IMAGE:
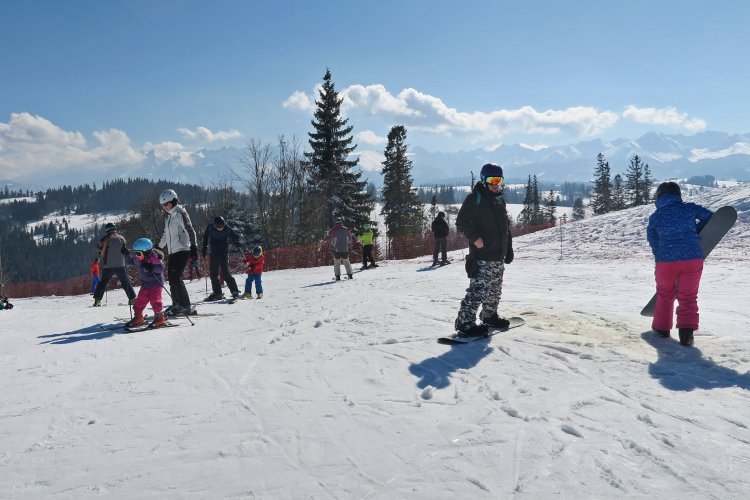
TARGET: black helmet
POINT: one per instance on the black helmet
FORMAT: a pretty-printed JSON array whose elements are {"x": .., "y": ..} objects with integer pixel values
[
  {"x": 668, "y": 187},
  {"x": 441, "y": 214},
  {"x": 219, "y": 221},
  {"x": 109, "y": 227}
]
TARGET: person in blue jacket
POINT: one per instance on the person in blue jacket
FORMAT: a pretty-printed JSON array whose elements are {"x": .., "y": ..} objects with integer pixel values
[{"x": 673, "y": 235}]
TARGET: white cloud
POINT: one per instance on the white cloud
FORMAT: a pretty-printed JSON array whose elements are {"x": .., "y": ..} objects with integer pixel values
[
  {"x": 205, "y": 135},
  {"x": 666, "y": 117},
  {"x": 299, "y": 101},
  {"x": 31, "y": 144},
  {"x": 370, "y": 137},
  {"x": 427, "y": 113}
]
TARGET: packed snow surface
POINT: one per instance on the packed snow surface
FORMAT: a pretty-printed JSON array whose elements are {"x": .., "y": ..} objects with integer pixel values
[{"x": 339, "y": 390}]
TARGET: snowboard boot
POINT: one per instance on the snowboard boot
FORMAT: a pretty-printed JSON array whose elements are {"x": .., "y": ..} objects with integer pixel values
[
  {"x": 175, "y": 310},
  {"x": 247, "y": 295},
  {"x": 351, "y": 276},
  {"x": 363, "y": 268},
  {"x": 338, "y": 278},
  {"x": 496, "y": 322},
  {"x": 472, "y": 330},
  {"x": 260, "y": 296},
  {"x": 663, "y": 333},
  {"x": 686, "y": 336},
  {"x": 136, "y": 321},
  {"x": 159, "y": 321},
  {"x": 374, "y": 265},
  {"x": 97, "y": 303},
  {"x": 236, "y": 295},
  {"x": 214, "y": 297}
]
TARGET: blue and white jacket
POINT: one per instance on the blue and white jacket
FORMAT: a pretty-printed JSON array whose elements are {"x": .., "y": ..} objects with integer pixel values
[{"x": 673, "y": 229}]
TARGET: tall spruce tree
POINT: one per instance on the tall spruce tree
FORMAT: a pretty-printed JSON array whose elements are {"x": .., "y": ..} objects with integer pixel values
[
  {"x": 334, "y": 189},
  {"x": 401, "y": 206},
  {"x": 648, "y": 184},
  {"x": 601, "y": 200},
  {"x": 618, "y": 194},
  {"x": 579, "y": 212},
  {"x": 635, "y": 182},
  {"x": 550, "y": 208}
]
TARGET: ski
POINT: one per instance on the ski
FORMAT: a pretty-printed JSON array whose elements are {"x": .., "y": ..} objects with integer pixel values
[
  {"x": 456, "y": 339},
  {"x": 148, "y": 327},
  {"x": 718, "y": 225}
]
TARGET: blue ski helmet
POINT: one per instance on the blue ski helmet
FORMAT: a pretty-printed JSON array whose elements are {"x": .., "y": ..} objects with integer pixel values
[
  {"x": 257, "y": 251},
  {"x": 143, "y": 245},
  {"x": 491, "y": 170}
]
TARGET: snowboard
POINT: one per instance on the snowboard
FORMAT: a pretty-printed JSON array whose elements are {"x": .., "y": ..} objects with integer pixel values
[
  {"x": 454, "y": 339},
  {"x": 717, "y": 226}
]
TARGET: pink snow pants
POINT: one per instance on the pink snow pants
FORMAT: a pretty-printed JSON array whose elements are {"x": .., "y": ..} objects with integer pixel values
[
  {"x": 677, "y": 280},
  {"x": 146, "y": 295}
]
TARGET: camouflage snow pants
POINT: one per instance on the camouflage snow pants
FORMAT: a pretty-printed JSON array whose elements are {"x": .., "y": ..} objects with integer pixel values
[{"x": 484, "y": 289}]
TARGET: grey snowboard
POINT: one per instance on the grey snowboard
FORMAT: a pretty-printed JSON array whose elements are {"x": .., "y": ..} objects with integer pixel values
[
  {"x": 515, "y": 322},
  {"x": 717, "y": 226}
]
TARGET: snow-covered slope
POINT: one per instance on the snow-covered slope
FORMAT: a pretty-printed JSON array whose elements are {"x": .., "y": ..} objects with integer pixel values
[{"x": 339, "y": 390}]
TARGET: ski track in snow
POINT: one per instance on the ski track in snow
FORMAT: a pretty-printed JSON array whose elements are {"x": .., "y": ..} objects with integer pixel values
[{"x": 338, "y": 390}]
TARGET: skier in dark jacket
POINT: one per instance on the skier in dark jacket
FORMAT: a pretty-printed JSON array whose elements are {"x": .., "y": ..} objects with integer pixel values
[
  {"x": 440, "y": 232},
  {"x": 673, "y": 236},
  {"x": 484, "y": 220},
  {"x": 218, "y": 236}
]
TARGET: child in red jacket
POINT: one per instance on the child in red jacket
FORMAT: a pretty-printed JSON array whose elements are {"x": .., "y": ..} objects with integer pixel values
[
  {"x": 95, "y": 275},
  {"x": 255, "y": 261}
]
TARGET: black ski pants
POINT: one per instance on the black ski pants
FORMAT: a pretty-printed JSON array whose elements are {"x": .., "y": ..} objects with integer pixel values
[
  {"x": 367, "y": 255},
  {"x": 221, "y": 262},
  {"x": 175, "y": 267},
  {"x": 107, "y": 274},
  {"x": 441, "y": 246}
]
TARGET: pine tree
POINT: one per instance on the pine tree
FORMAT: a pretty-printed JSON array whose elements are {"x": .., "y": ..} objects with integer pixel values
[
  {"x": 526, "y": 217},
  {"x": 401, "y": 206},
  {"x": 579, "y": 213},
  {"x": 601, "y": 200},
  {"x": 618, "y": 194},
  {"x": 635, "y": 182},
  {"x": 648, "y": 184},
  {"x": 550, "y": 208},
  {"x": 334, "y": 190}
]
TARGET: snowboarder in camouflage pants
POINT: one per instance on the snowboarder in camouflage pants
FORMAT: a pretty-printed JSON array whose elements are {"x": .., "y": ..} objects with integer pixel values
[{"x": 484, "y": 220}]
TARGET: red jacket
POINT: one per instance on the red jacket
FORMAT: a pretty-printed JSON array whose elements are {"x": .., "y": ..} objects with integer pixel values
[
  {"x": 255, "y": 264},
  {"x": 95, "y": 269}
]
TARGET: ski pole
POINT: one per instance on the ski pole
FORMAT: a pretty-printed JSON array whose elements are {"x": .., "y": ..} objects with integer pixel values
[{"x": 170, "y": 296}]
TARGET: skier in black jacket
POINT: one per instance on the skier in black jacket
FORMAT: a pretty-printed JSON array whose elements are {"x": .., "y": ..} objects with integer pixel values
[
  {"x": 218, "y": 235},
  {"x": 484, "y": 220},
  {"x": 440, "y": 232}
]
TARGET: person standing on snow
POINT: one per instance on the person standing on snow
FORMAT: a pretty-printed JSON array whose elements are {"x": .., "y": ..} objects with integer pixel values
[
  {"x": 113, "y": 250},
  {"x": 366, "y": 239},
  {"x": 339, "y": 241},
  {"x": 95, "y": 275},
  {"x": 672, "y": 233},
  {"x": 255, "y": 262},
  {"x": 151, "y": 273},
  {"x": 484, "y": 220},
  {"x": 218, "y": 235},
  {"x": 440, "y": 232},
  {"x": 179, "y": 240}
]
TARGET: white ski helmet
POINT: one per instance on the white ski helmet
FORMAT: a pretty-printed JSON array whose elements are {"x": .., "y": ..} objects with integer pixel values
[{"x": 167, "y": 195}]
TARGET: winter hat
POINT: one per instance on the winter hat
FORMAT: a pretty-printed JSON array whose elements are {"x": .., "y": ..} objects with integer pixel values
[
  {"x": 219, "y": 221},
  {"x": 257, "y": 251},
  {"x": 668, "y": 187},
  {"x": 339, "y": 220},
  {"x": 441, "y": 215},
  {"x": 491, "y": 170},
  {"x": 109, "y": 227}
]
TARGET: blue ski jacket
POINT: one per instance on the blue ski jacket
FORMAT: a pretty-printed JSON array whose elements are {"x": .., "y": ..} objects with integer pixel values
[{"x": 673, "y": 229}]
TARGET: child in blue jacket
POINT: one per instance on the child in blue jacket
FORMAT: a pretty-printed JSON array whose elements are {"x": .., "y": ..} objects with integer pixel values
[{"x": 673, "y": 235}]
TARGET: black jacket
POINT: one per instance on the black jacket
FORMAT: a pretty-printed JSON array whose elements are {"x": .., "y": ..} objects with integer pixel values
[
  {"x": 483, "y": 215},
  {"x": 219, "y": 240},
  {"x": 440, "y": 227}
]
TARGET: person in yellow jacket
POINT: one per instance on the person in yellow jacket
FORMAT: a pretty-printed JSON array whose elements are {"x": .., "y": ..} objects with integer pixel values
[{"x": 366, "y": 239}]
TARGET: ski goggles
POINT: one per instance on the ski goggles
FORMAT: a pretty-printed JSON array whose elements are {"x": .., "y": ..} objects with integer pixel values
[
  {"x": 495, "y": 180},
  {"x": 138, "y": 254}
]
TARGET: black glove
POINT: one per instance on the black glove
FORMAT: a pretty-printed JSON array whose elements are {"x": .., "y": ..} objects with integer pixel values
[
  {"x": 148, "y": 266},
  {"x": 124, "y": 250},
  {"x": 194, "y": 251},
  {"x": 471, "y": 266},
  {"x": 509, "y": 256}
]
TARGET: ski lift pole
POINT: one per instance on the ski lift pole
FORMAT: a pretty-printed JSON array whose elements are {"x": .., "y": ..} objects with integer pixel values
[{"x": 561, "y": 240}]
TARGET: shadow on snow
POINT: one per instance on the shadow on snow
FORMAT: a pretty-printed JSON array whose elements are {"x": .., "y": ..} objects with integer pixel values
[
  {"x": 94, "y": 332},
  {"x": 681, "y": 368},
  {"x": 436, "y": 371}
]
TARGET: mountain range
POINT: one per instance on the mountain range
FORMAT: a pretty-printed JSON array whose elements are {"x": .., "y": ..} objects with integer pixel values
[{"x": 723, "y": 155}]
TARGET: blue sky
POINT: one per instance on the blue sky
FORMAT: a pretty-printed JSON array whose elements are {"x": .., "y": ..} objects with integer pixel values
[{"x": 97, "y": 82}]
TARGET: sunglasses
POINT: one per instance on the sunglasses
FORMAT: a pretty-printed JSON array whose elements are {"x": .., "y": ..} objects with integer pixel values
[{"x": 495, "y": 181}]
